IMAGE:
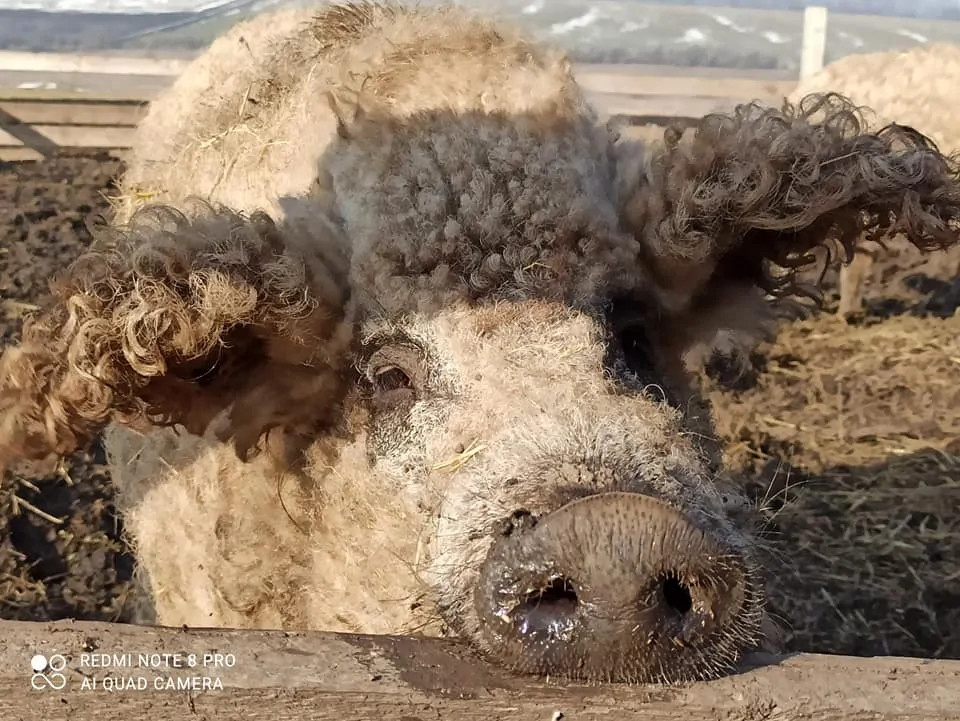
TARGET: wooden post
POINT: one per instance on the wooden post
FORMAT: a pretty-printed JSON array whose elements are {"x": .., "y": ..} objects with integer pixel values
[
  {"x": 852, "y": 279},
  {"x": 58, "y": 670},
  {"x": 814, "y": 41}
]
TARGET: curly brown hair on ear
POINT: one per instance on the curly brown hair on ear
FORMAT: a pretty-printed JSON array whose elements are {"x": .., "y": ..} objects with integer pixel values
[
  {"x": 753, "y": 192},
  {"x": 174, "y": 320}
]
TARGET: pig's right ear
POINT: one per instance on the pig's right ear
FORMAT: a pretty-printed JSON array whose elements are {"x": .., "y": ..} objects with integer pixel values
[
  {"x": 726, "y": 216},
  {"x": 176, "y": 319}
]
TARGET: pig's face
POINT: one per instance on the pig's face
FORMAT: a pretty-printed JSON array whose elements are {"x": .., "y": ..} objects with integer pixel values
[
  {"x": 565, "y": 510},
  {"x": 467, "y": 351}
]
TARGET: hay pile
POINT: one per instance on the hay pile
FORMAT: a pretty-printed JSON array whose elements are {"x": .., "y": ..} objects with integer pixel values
[
  {"x": 915, "y": 88},
  {"x": 850, "y": 438},
  {"x": 831, "y": 394}
]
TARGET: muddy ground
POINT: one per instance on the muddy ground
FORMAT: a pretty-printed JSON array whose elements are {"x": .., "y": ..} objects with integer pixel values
[{"x": 847, "y": 436}]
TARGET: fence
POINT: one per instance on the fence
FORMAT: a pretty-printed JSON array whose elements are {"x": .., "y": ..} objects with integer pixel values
[
  {"x": 286, "y": 675},
  {"x": 36, "y": 123}
]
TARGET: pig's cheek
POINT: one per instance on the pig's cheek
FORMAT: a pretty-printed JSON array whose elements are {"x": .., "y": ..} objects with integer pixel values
[
  {"x": 395, "y": 442},
  {"x": 388, "y": 440},
  {"x": 737, "y": 507},
  {"x": 747, "y": 518}
]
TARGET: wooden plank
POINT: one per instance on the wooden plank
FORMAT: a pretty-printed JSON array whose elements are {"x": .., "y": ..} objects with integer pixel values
[
  {"x": 47, "y": 125},
  {"x": 698, "y": 80},
  {"x": 10, "y": 94},
  {"x": 684, "y": 71},
  {"x": 67, "y": 136},
  {"x": 611, "y": 78},
  {"x": 77, "y": 112},
  {"x": 657, "y": 108},
  {"x": 90, "y": 63},
  {"x": 22, "y": 154},
  {"x": 607, "y": 82},
  {"x": 48, "y": 120},
  {"x": 291, "y": 675},
  {"x": 19, "y": 154},
  {"x": 624, "y": 82}
]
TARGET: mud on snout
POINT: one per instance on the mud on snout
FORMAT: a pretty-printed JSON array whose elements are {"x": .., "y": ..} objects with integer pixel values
[
  {"x": 607, "y": 575},
  {"x": 615, "y": 586}
]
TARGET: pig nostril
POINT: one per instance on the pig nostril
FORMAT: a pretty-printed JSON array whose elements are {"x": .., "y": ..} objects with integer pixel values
[
  {"x": 519, "y": 521},
  {"x": 616, "y": 586},
  {"x": 560, "y": 592},
  {"x": 676, "y": 594},
  {"x": 548, "y": 609}
]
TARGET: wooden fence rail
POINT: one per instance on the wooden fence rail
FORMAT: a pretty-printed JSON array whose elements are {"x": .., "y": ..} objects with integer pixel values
[
  {"x": 33, "y": 127},
  {"x": 283, "y": 675},
  {"x": 36, "y": 123}
]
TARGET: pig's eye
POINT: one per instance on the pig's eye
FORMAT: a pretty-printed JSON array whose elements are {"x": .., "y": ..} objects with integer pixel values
[
  {"x": 630, "y": 342},
  {"x": 395, "y": 374},
  {"x": 637, "y": 349},
  {"x": 390, "y": 378}
]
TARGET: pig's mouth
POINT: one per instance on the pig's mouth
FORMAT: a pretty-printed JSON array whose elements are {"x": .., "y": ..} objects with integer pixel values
[{"x": 616, "y": 587}]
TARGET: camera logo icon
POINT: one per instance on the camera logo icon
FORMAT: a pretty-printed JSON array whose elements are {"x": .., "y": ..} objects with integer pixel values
[{"x": 47, "y": 672}]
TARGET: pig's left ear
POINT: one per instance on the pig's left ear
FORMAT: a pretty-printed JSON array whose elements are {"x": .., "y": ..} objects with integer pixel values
[
  {"x": 726, "y": 216},
  {"x": 174, "y": 319}
]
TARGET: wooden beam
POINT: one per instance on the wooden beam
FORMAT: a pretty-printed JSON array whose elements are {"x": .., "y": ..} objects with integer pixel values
[
  {"x": 129, "y": 94},
  {"x": 67, "y": 136},
  {"x": 22, "y": 153},
  {"x": 45, "y": 125},
  {"x": 290, "y": 675},
  {"x": 16, "y": 133},
  {"x": 90, "y": 63},
  {"x": 626, "y": 80},
  {"x": 683, "y": 71},
  {"x": 657, "y": 109},
  {"x": 814, "y": 45},
  {"x": 37, "y": 123},
  {"x": 74, "y": 112}
]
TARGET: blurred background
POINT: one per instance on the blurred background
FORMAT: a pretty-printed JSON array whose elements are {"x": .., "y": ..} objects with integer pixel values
[{"x": 745, "y": 34}]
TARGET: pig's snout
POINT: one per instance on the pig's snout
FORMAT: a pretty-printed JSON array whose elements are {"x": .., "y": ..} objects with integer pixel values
[{"x": 619, "y": 587}]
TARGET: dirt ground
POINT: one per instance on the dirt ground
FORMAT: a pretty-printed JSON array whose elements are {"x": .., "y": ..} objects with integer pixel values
[
  {"x": 848, "y": 436},
  {"x": 60, "y": 553}
]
